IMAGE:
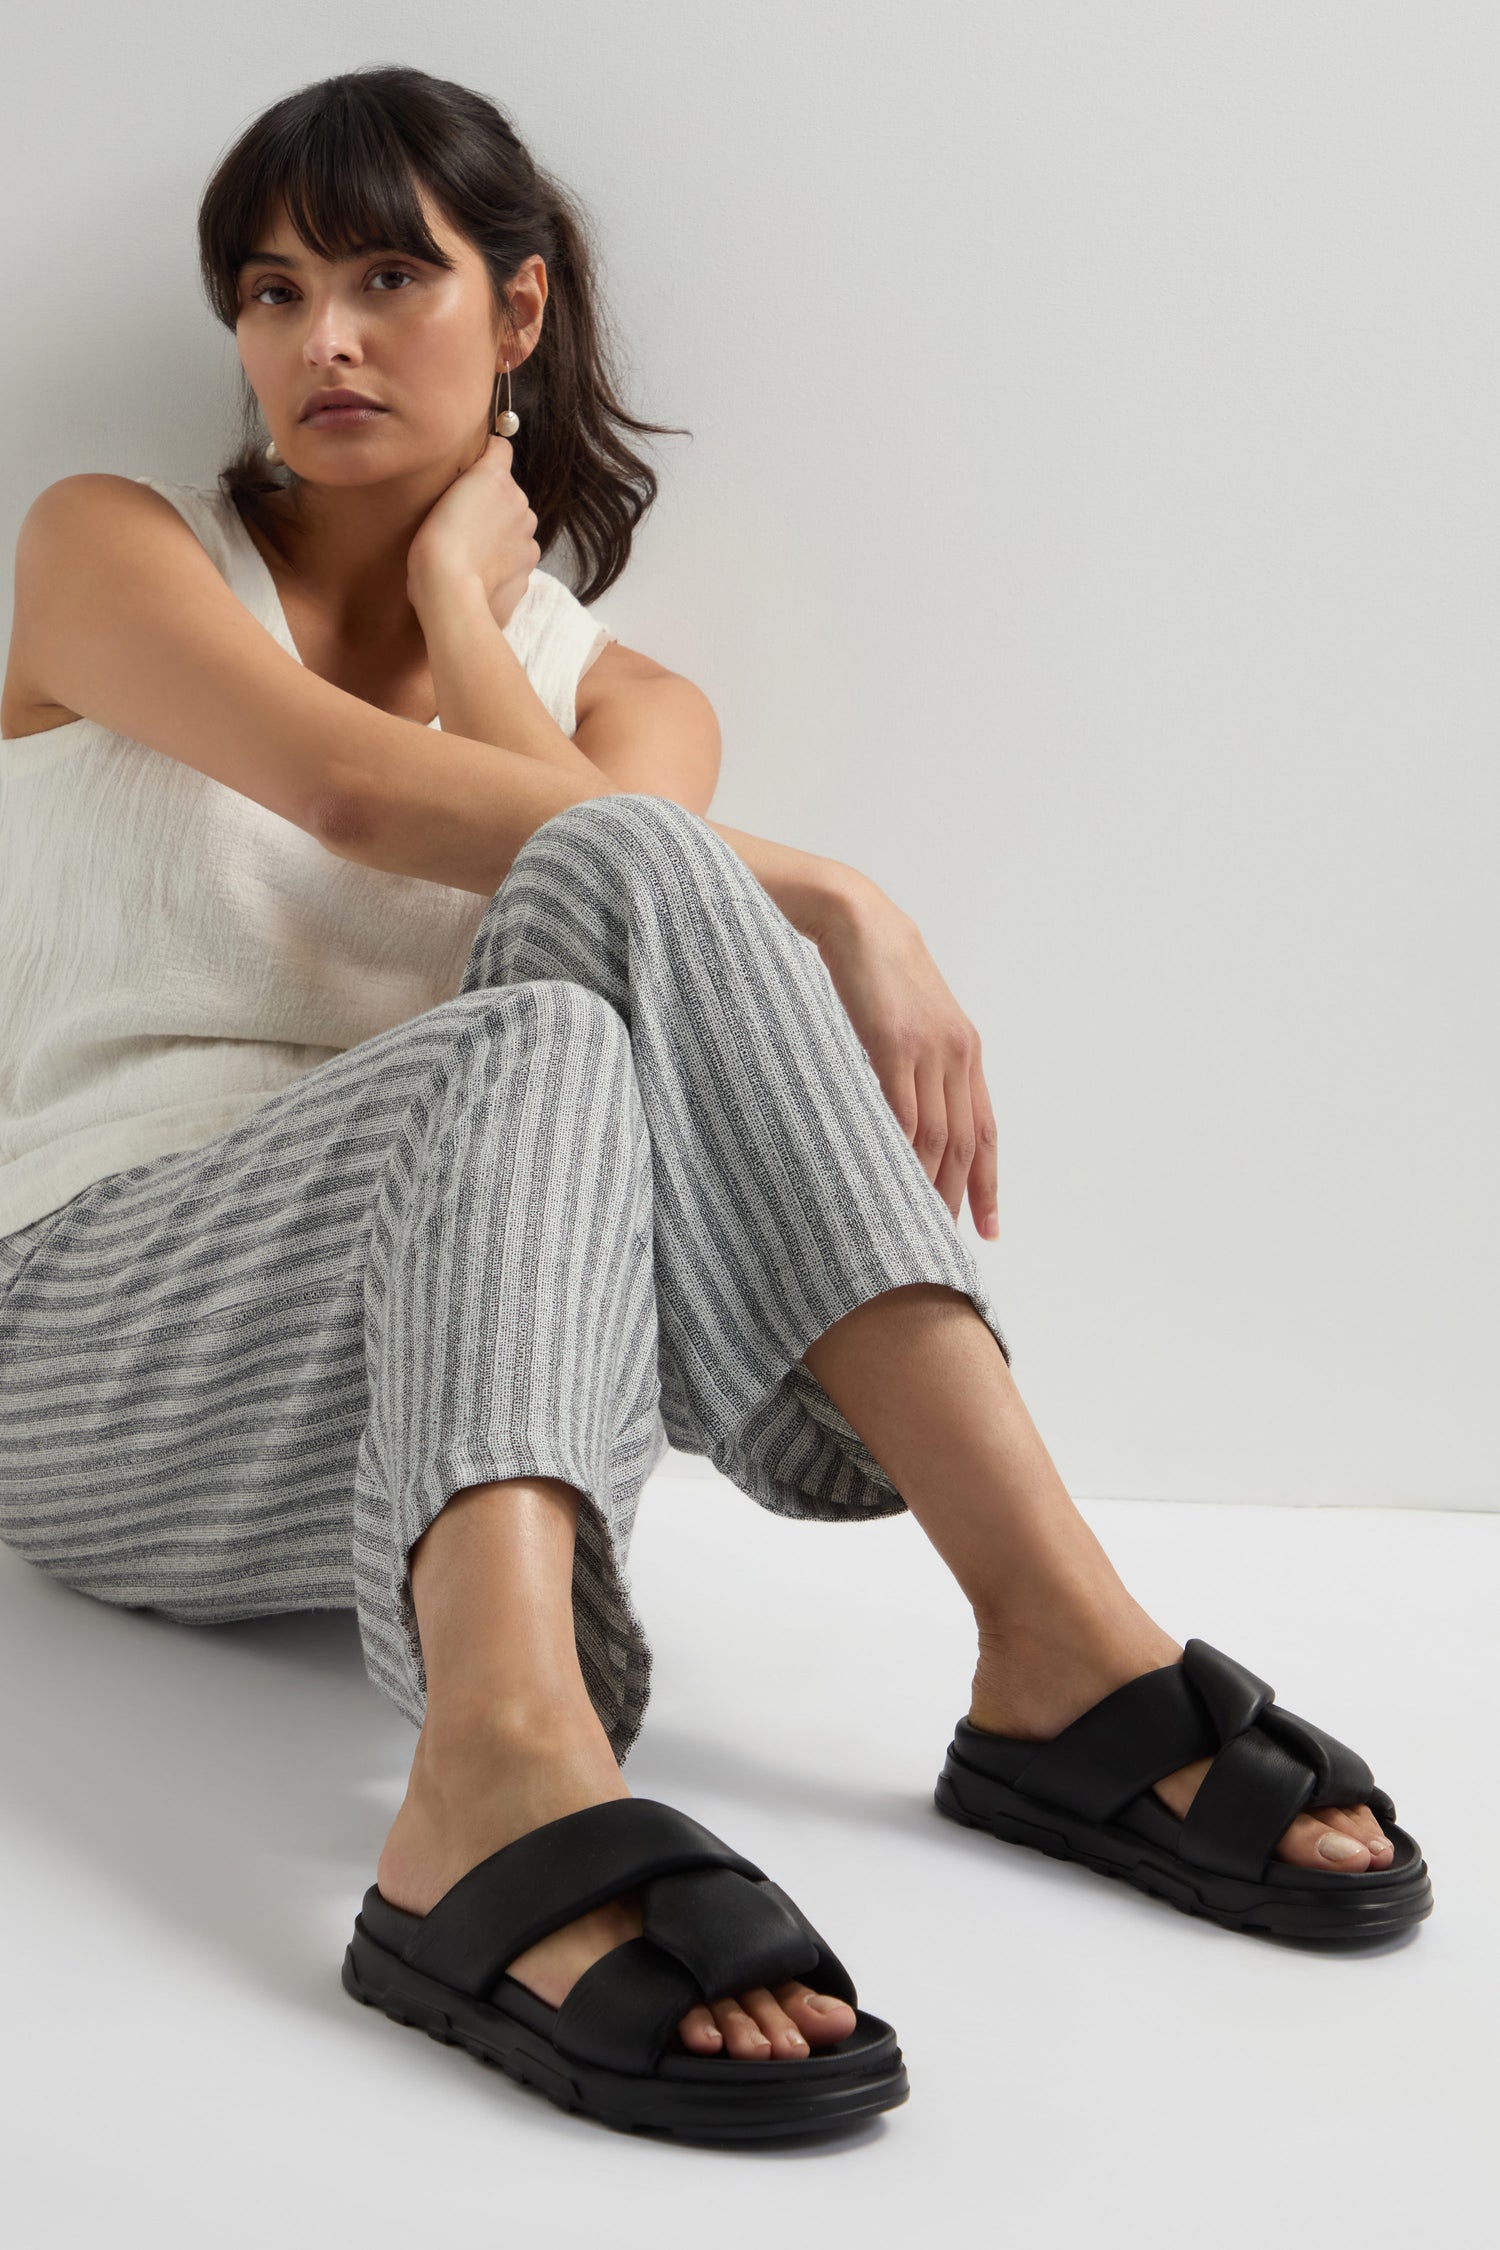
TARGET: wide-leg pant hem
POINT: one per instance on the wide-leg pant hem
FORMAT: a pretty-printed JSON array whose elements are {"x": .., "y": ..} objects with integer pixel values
[
  {"x": 794, "y": 1453},
  {"x": 614, "y": 1654}
]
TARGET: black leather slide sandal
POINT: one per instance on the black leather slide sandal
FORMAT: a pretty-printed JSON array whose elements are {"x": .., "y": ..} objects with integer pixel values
[
  {"x": 713, "y": 1925},
  {"x": 1087, "y": 1796}
]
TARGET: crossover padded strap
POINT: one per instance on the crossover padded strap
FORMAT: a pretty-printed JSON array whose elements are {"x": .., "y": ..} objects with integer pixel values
[
  {"x": 619, "y": 2015},
  {"x": 709, "y": 1934},
  {"x": 827, "y": 1973},
  {"x": 1233, "y": 1695},
  {"x": 1242, "y": 1805},
  {"x": 728, "y": 1933},
  {"x": 1340, "y": 1775},
  {"x": 552, "y": 1875},
  {"x": 1147, "y": 1728},
  {"x": 1267, "y": 1764}
]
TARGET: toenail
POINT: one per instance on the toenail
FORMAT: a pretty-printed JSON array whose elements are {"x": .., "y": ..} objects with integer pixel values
[
  {"x": 1339, "y": 1847},
  {"x": 795, "y": 2039},
  {"x": 824, "y": 2007}
]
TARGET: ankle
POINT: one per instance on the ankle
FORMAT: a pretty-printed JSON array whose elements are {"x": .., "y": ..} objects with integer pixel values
[
  {"x": 462, "y": 1734},
  {"x": 1034, "y": 1675},
  {"x": 1055, "y": 1613}
]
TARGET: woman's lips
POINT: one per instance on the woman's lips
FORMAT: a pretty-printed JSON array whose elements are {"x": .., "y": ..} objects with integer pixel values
[{"x": 341, "y": 417}]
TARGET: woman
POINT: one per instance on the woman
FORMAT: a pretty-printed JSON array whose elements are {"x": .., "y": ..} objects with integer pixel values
[{"x": 405, "y": 1135}]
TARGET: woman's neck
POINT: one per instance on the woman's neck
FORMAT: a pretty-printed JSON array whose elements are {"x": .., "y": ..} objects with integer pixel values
[{"x": 345, "y": 560}]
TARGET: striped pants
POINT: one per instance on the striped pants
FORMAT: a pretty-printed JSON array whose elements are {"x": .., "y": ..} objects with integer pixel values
[{"x": 601, "y": 1199}]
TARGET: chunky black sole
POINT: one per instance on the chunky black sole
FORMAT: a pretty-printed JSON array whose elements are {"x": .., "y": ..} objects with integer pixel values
[
  {"x": 703, "y": 2098},
  {"x": 1331, "y": 1909}
]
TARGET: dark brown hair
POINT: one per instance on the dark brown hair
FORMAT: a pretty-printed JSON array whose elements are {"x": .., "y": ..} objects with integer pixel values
[{"x": 343, "y": 153}]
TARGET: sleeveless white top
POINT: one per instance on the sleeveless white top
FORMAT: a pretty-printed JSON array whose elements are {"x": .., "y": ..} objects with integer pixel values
[{"x": 171, "y": 952}]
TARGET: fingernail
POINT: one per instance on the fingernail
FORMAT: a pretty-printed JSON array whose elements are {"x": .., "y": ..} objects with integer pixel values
[{"x": 1339, "y": 1847}]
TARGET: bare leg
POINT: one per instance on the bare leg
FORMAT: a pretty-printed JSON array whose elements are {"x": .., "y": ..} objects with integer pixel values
[
  {"x": 511, "y": 1740},
  {"x": 919, "y": 1376}
]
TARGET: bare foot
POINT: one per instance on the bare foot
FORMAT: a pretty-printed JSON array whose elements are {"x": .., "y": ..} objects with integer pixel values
[
  {"x": 1031, "y": 1686},
  {"x": 485, "y": 1785}
]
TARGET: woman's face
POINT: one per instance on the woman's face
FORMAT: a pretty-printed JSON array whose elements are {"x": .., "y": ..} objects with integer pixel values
[{"x": 422, "y": 341}]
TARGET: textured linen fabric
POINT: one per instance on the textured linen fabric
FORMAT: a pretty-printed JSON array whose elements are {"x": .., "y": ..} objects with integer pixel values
[
  {"x": 602, "y": 1198},
  {"x": 171, "y": 952}
]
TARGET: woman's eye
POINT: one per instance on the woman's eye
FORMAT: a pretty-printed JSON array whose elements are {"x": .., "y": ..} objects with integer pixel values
[{"x": 380, "y": 273}]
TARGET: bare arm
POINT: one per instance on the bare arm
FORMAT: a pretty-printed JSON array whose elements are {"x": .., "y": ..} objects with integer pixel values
[
  {"x": 818, "y": 896},
  {"x": 484, "y": 695},
  {"x": 482, "y": 689}
]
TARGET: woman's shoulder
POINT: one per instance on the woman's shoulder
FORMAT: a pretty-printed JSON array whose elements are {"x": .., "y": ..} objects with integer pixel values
[
  {"x": 545, "y": 593},
  {"x": 550, "y": 616},
  {"x": 27, "y": 709},
  {"x": 208, "y": 510},
  {"x": 204, "y": 506}
]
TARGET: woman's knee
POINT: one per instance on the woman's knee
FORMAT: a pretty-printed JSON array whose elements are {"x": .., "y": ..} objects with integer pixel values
[
  {"x": 632, "y": 834},
  {"x": 566, "y": 1015}
]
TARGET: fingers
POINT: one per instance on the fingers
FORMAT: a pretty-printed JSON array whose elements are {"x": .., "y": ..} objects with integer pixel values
[
  {"x": 958, "y": 1152},
  {"x": 899, "y": 1085},
  {"x": 944, "y": 1109},
  {"x": 984, "y": 1172},
  {"x": 944, "y": 1138},
  {"x": 930, "y": 1140}
]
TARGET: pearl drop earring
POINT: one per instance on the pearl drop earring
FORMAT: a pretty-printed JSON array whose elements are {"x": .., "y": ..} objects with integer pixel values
[{"x": 508, "y": 423}]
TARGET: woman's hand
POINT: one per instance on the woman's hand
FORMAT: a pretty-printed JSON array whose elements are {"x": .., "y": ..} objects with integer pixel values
[
  {"x": 924, "y": 1050},
  {"x": 481, "y": 527}
]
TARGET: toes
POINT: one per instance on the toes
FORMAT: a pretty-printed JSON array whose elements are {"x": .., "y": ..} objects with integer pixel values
[
  {"x": 1363, "y": 1824},
  {"x": 700, "y": 2032},
  {"x": 762, "y": 2026},
  {"x": 1334, "y": 1838},
  {"x": 743, "y": 2036},
  {"x": 785, "y": 2036},
  {"x": 823, "y": 2019}
]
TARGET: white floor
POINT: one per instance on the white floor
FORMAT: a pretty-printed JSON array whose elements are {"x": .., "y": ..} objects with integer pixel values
[{"x": 190, "y": 1818}]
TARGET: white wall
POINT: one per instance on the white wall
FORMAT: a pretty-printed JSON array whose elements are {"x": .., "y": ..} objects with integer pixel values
[{"x": 1089, "y": 532}]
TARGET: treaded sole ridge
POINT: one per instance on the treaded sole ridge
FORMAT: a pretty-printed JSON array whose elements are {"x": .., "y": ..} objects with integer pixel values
[
  {"x": 680, "y": 2110},
  {"x": 977, "y": 1800}
]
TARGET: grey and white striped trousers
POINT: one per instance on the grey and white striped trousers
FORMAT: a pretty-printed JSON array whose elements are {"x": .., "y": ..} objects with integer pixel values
[{"x": 602, "y": 1198}]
